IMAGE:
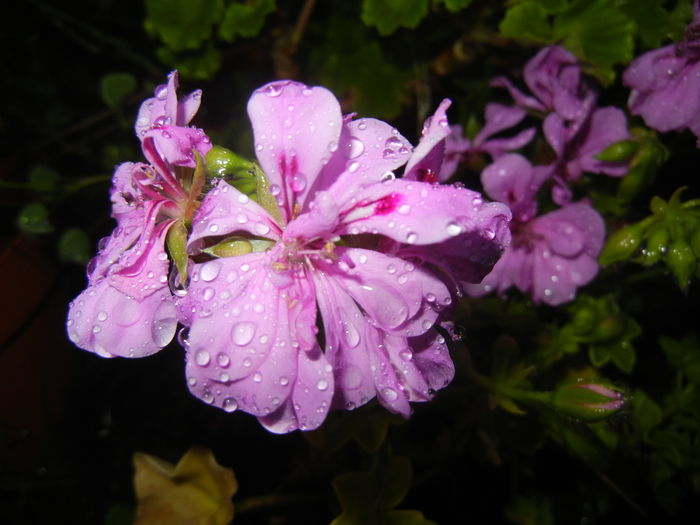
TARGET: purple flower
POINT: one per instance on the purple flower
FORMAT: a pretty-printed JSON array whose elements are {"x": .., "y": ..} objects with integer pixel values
[
  {"x": 665, "y": 83},
  {"x": 498, "y": 118},
  {"x": 576, "y": 145},
  {"x": 127, "y": 309},
  {"x": 554, "y": 78},
  {"x": 336, "y": 301},
  {"x": 551, "y": 255}
]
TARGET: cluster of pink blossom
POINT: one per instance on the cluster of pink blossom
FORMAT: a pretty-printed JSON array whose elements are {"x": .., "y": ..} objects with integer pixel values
[
  {"x": 665, "y": 83},
  {"x": 341, "y": 274},
  {"x": 553, "y": 254}
]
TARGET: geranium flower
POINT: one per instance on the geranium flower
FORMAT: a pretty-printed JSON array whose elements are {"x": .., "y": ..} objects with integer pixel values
[
  {"x": 550, "y": 255},
  {"x": 127, "y": 309},
  {"x": 665, "y": 83},
  {"x": 336, "y": 300},
  {"x": 554, "y": 78}
]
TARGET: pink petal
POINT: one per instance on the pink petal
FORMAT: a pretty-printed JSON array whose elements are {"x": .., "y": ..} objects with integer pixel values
[
  {"x": 427, "y": 157},
  {"x": 225, "y": 211},
  {"x": 296, "y": 131},
  {"x": 105, "y": 321}
]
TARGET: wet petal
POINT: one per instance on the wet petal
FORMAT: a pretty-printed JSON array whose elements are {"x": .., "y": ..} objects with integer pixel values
[
  {"x": 296, "y": 131},
  {"x": 428, "y": 155}
]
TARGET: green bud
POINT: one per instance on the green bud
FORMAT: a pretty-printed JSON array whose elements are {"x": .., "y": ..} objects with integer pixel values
[
  {"x": 231, "y": 247},
  {"x": 619, "y": 151},
  {"x": 622, "y": 244},
  {"x": 681, "y": 260},
  {"x": 657, "y": 244},
  {"x": 658, "y": 205},
  {"x": 177, "y": 246},
  {"x": 588, "y": 399},
  {"x": 695, "y": 242},
  {"x": 221, "y": 161},
  {"x": 610, "y": 328}
]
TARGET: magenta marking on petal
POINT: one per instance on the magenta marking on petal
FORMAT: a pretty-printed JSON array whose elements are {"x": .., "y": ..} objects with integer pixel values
[{"x": 387, "y": 204}]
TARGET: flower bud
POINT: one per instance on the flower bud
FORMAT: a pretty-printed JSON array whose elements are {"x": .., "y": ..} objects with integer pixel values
[
  {"x": 221, "y": 161},
  {"x": 618, "y": 151},
  {"x": 588, "y": 399},
  {"x": 681, "y": 260},
  {"x": 622, "y": 244},
  {"x": 657, "y": 244}
]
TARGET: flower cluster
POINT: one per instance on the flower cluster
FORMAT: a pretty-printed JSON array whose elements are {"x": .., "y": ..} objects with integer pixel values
[
  {"x": 321, "y": 291},
  {"x": 551, "y": 255},
  {"x": 665, "y": 83}
]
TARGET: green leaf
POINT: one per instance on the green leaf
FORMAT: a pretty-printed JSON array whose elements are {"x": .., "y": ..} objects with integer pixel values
[
  {"x": 43, "y": 178},
  {"x": 683, "y": 355},
  {"x": 115, "y": 87},
  {"x": 652, "y": 22},
  {"x": 182, "y": 24},
  {"x": 352, "y": 64},
  {"x": 389, "y": 15},
  {"x": 245, "y": 19},
  {"x": 645, "y": 413},
  {"x": 74, "y": 246},
  {"x": 34, "y": 219},
  {"x": 529, "y": 511},
  {"x": 200, "y": 65},
  {"x": 368, "y": 498},
  {"x": 528, "y": 20},
  {"x": 456, "y": 5},
  {"x": 598, "y": 33}
]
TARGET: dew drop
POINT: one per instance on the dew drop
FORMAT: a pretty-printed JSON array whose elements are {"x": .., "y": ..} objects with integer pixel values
[
  {"x": 352, "y": 336},
  {"x": 202, "y": 358},
  {"x": 229, "y": 405},
  {"x": 453, "y": 228},
  {"x": 322, "y": 385},
  {"x": 404, "y": 209},
  {"x": 390, "y": 394},
  {"x": 299, "y": 182},
  {"x": 411, "y": 237},
  {"x": 272, "y": 90},
  {"x": 214, "y": 228},
  {"x": 247, "y": 362},
  {"x": 261, "y": 228},
  {"x": 210, "y": 270},
  {"x": 355, "y": 148},
  {"x": 284, "y": 381},
  {"x": 208, "y": 293},
  {"x": 102, "y": 316},
  {"x": 223, "y": 359},
  {"x": 243, "y": 332},
  {"x": 257, "y": 377}
]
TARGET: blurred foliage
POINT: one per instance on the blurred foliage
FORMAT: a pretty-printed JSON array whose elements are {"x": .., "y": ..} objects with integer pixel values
[{"x": 507, "y": 441}]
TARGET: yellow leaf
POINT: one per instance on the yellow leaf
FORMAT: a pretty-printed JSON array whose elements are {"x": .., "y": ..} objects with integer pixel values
[{"x": 196, "y": 491}]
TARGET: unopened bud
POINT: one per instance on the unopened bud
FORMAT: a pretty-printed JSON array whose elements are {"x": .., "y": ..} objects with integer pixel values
[
  {"x": 657, "y": 244},
  {"x": 618, "y": 151},
  {"x": 221, "y": 161},
  {"x": 681, "y": 260},
  {"x": 588, "y": 399},
  {"x": 622, "y": 244}
]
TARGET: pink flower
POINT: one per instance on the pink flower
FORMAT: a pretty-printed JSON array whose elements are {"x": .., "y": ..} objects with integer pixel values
[
  {"x": 337, "y": 300},
  {"x": 127, "y": 309},
  {"x": 550, "y": 256},
  {"x": 665, "y": 83},
  {"x": 498, "y": 118},
  {"x": 554, "y": 77}
]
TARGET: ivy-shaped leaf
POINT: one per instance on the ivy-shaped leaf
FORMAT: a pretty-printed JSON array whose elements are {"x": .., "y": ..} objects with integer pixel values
[
  {"x": 528, "y": 20},
  {"x": 115, "y": 87},
  {"x": 245, "y": 19},
  {"x": 182, "y": 24},
  {"x": 388, "y": 15}
]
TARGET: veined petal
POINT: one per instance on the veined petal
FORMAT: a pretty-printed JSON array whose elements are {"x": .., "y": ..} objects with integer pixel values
[
  {"x": 110, "y": 323},
  {"x": 225, "y": 211},
  {"x": 418, "y": 213},
  {"x": 164, "y": 109},
  {"x": 425, "y": 163},
  {"x": 296, "y": 131}
]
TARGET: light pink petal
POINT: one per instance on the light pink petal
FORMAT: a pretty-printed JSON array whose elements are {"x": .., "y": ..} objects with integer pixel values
[
  {"x": 109, "y": 323},
  {"x": 425, "y": 163},
  {"x": 368, "y": 150},
  {"x": 607, "y": 126},
  {"x": 511, "y": 180},
  {"x": 177, "y": 145},
  {"x": 164, "y": 109},
  {"x": 416, "y": 213},
  {"x": 519, "y": 97},
  {"x": 497, "y": 147},
  {"x": 296, "y": 131},
  {"x": 499, "y": 118},
  {"x": 432, "y": 360},
  {"x": 225, "y": 211}
]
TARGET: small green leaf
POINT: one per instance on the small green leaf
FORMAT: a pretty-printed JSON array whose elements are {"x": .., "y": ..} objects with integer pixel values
[
  {"x": 245, "y": 19},
  {"x": 182, "y": 24},
  {"x": 652, "y": 21},
  {"x": 388, "y": 15},
  {"x": 455, "y": 6},
  {"x": 115, "y": 87},
  {"x": 43, "y": 178},
  {"x": 528, "y": 20},
  {"x": 74, "y": 246},
  {"x": 199, "y": 65},
  {"x": 645, "y": 412},
  {"x": 34, "y": 219}
]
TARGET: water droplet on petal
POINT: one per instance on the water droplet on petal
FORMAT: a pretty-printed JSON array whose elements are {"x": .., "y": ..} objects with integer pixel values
[
  {"x": 284, "y": 381},
  {"x": 453, "y": 228},
  {"x": 257, "y": 377},
  {"x": 202, "y": 358},
  {"x": 223, "y": 359},
  {"x": 390, "y": 394},
  {"x": 298, "y": 182},
  {"x": 404, "y": 209},
  {"x": 261, "y": 228},
  {"x": 214, "y": 228},
  {"x": 210, "y": 270},
  {"x": 275, "y": 189},
  {"x": 322, "y": 385},
  {"x": 247, "y": 362},
  {"x": 242, "y": 333},
  {"x": 411, "y": 237},
  {"x": 163, "y": 330},
  {"x": 229, "y": 404},
  {"x": 272, "y": 90},
  {"x": 355, "y": 148},
  {"x": 406, "y": 354},
  {"x": 102, "y": 316},
  {"x": 352, "y": 336}
]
